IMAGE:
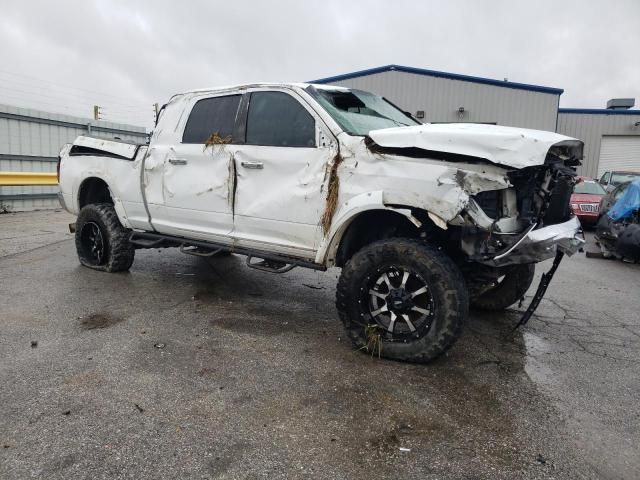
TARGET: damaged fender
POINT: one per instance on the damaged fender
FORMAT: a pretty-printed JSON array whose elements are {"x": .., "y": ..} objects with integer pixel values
[{"x": 346, "y": 213}]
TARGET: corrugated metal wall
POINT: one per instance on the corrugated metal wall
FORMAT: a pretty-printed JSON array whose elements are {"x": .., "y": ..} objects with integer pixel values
[
  {"x": 30, "y": 141},
  {"x": 590, "y": 127},
  {"x": 440, "y": 99}
]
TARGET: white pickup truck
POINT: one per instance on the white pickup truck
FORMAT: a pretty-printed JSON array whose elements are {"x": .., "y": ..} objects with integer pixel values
[{"x": 423, "y": 219}]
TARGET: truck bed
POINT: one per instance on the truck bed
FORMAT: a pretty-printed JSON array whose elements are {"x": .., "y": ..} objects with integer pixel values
[{"x": 84, "y": 145}]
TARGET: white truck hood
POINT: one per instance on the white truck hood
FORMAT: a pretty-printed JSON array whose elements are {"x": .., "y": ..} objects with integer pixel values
[{"x": 507, "y": 146}]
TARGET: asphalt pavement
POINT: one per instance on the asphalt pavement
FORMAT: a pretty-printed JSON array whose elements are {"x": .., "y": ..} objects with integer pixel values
[{"x": 188, "y": 368}]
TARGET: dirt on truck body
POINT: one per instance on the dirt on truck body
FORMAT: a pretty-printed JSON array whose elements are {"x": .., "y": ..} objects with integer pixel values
[{"x": 425, "y": 220}]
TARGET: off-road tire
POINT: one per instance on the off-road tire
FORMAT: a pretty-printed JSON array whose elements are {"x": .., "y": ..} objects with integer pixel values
[
  {"x": 512, "y": 288},
  {"x": 447, "y": 289},
  {"x": 118, "y": 251}
]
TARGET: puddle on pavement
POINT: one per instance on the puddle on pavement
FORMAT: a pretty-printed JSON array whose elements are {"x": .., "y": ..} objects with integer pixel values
[{"x": 537, "y": 371}]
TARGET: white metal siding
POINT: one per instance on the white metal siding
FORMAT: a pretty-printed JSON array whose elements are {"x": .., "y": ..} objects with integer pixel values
[
  {"x": 30, "y": 141},
  {"x": 590, "y": 128},
  {"x": 619, "y": 153},
  {"x": 440, "y": 99}
]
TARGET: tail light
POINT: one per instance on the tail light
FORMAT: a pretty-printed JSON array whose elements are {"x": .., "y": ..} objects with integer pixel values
[{"x": 58, "y": 168}]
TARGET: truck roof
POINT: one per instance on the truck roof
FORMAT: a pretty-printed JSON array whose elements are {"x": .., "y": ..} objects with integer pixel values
[{"x": 241, "y": 86}]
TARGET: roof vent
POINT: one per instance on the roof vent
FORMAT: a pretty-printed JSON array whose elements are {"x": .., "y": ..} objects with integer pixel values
[{"x": 621, "y": 103}]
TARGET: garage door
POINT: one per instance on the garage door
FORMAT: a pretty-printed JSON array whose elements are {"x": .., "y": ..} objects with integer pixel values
[{"x": 619, "y": 153}]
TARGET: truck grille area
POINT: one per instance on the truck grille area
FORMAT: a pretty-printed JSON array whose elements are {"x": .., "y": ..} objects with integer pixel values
[
  {"x": 558, "y": 209},
  {"x": 490, "y": 203},
  {"x": 539, "y": 197},
  {"x": 544, "y": 192}
]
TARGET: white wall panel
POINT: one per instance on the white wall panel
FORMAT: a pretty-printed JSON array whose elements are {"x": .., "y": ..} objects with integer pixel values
[
  {"x": 619, "y": 152},
  {"x": 440, "y": 99},
  {"x": 591, "y": 127}
]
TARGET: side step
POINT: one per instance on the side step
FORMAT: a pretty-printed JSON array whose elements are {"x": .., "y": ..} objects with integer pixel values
[
  {"x": 145, "y": 242},
  {"x": 270, "y": 266},
  {"x": 269, "y": 262},
  {"x": 199, "y": 251}
]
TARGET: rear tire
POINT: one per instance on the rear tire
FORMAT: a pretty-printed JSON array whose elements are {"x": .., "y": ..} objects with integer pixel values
[
  {"x": 507, "y": 291},
  {"x": 102, "y": 242},
  {"x": 424, "y": 294}
]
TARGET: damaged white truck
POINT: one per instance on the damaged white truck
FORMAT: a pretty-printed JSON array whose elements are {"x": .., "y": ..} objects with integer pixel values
[{"x": 424, "y": 219}]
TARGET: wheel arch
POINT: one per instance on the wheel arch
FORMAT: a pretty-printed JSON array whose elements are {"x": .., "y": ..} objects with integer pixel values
[
  {"x": 368, "y": 222},
  {"x": 95, "y": 189}
]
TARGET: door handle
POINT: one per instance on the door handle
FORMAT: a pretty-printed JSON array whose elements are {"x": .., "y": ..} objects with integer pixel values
[
  {"x": 177, "y": 161},
  {"x": 254, "y": 165}
]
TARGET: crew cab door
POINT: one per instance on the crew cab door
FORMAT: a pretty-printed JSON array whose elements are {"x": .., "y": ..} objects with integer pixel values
[
  {"x": 280, "y": 171},
  {"x": 191, "y": 194}
]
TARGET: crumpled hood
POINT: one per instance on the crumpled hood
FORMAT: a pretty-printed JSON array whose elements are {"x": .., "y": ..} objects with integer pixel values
[{"x": 507, "y": 146}]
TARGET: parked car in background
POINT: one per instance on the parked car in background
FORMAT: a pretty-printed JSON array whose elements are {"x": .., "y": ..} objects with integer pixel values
[
  {"x": 611, "y": 197},
  {"x": 612, "y": 179},
  {"x": 585, "y": 200},
  {"x": 618, "y": 229}
]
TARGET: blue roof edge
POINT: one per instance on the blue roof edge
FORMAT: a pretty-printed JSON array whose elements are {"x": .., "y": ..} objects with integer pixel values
[
  {"x": 435, "y": 73},
  {"x": 599, "y": 111}
]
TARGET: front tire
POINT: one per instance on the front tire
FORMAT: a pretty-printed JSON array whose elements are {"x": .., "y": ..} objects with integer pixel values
[
  {"x": 402, "y": 299},
  {"x": 507, "y": 290},
  {"x": 102, "y": 242}
]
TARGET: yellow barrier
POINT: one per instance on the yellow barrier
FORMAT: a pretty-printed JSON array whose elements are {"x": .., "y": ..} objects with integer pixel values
[{"x": 8, "y": 179}]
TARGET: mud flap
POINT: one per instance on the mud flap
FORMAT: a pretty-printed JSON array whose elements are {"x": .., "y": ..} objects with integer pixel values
[{"x": 542, "y": 288}]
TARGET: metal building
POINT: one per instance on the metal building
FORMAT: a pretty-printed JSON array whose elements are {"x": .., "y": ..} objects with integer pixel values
[
  {"x": 30, "y": 141},
  {"x": 433, "y": 96},
  {"x": 611, "y": 138}
]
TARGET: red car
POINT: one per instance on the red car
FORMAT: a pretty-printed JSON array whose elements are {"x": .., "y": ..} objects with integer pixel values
[{"x": 585, "y": 200}]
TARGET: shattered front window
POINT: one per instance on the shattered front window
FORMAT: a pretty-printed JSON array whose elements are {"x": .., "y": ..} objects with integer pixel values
[{"x": 359, "y": 112}]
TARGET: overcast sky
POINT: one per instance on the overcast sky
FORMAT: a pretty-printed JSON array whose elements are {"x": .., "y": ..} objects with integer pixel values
[{"x": 66, "y": 56}]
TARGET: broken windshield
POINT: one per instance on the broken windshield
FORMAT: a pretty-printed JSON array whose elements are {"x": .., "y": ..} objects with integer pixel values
[{"x": 359, "y": 112}]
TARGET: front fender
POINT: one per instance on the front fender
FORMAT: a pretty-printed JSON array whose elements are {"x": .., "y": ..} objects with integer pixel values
[{"x": 346, "y": 213}]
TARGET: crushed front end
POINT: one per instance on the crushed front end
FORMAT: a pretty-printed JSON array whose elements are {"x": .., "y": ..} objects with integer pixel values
[
  {"x": 530, "y": 221},
  {"x": 527, "y": 223}
]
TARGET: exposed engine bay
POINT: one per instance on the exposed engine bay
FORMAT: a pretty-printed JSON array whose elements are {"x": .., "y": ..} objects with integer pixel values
[{"x": 498, "y": 223}]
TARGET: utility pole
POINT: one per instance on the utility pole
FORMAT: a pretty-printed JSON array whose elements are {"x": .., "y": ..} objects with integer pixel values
[
  {"x": 96, "y": 112},
  {"x": 156, "y": 109}
]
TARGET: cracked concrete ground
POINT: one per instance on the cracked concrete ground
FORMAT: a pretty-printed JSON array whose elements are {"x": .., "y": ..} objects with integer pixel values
[{"x": 184, "y": 368}]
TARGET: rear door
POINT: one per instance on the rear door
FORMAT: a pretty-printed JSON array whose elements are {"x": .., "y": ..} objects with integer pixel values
[
  {"x": 197, "y": 176},
  {"x": 280, "y": 174}
]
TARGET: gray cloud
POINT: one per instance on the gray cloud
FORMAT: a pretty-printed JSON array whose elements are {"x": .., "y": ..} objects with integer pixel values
[{"x": 122, "y": 55}]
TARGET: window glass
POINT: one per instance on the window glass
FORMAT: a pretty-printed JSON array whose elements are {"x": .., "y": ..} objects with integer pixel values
[
  {"x": 589, "y": 187},
  {"x": 278, "y": 119},
  {"x": 623, "y": 177},
  {"x": 359, "y": 112},
  {"x": 605, "y": 178},
  {"x": 211, "y": 116},
  {"x": 620, "y": 190}
]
